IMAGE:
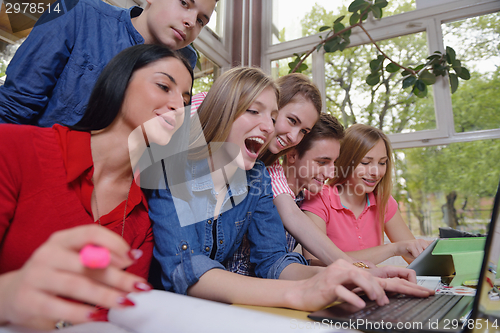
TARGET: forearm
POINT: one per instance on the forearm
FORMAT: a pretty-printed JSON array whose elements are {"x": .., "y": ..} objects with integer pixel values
[
  {"x": 223, "y": 286},
  {"x": 308, "y": 234},
  {"x": 375, "y": 254}
]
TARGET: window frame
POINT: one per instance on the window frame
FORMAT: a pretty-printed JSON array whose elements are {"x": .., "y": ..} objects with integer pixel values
[{"x": 427, "y": 20}]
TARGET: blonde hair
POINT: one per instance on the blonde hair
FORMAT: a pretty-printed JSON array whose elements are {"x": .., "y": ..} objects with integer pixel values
[
  {"x": 229, "y": 97},
  {"x": 359, "y": 139}
]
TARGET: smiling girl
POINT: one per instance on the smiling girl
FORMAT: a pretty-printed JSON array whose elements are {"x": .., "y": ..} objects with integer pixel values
[
  {"x": 358, "y": 208},
  {"x": 228, "y": 196}
]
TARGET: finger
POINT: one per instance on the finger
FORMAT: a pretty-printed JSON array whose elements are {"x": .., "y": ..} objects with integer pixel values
[
  {"x": 370, "y": 286},
  {"x": 82, "y": 289},
  {"x": 405, "y": 287},
  {"x": 349, "y": 296},
  {"x": 69, "y": 262},
  {"x": 76, "y": 238}
]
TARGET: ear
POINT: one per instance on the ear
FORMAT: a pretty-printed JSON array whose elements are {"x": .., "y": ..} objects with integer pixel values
[{"x": 292, "y": 156}]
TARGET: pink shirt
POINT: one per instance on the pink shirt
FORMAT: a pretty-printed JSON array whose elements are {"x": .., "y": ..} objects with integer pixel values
[{"x": 342, "y": 227}]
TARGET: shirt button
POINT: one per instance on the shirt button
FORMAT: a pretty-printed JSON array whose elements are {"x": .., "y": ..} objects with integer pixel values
[
  {"x": 91, "y": 67},
  {"x": 209, "y": 222},
  {"x": 221, "y": 241},
  {"x": 207, "y": 249},
  {"x": 184, "y": 247}
]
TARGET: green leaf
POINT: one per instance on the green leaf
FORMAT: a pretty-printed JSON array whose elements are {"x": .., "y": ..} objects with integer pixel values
[
  {"x": 347, "y": 34},
  {"x": 302, "y": 68},
  {"x": 373, "y": 79},
  {"x": 318, "y": 47},
  {"x": 405, "y": 73},
  {"x": 381, "y": 3},
  {"x": 354, "y": 18},
  {"x": 450, "y": 55},
  {"x": 439, "y": 69},
  {"x": 339, "y": 19},
  {"x": 376, "y": 64},
  {"x": 420, "y": 85},
  {"x": 325, "y": 27},
  {"x": 453, "y": 82},
  {"x": 377, "y": 12},
  {"x": 420, "y": 90},
  {"x": 464, "y": 74},
  {"x": 419, "y": 67},
  {"x": 356, "y": 5},
  {"x": 338, "y": 27},
  {"x": 344, "y": 44},
  {"x": 332, "y": 45},
  {"x": 409, "y": 81},
  {"x": 392, "y": 68},
  {"x": 457, "y": 66},
  {"x": 427, "y": 78}
]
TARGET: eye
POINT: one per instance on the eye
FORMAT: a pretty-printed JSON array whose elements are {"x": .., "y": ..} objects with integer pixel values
[
  {"x": 304, "y": 131},
  {"x": 274, "y": 121},
  {"x": 292, "y": 121},
  {"x": 200, "y": 22},
  {"x": 321, "y": 163},
  {"x": 253, "y": 111},
  {"x": 365, "y": 163},
  {"x": 383, "y": 163},
  {"x": 183, "y": 3},
  {"x": 163, "y": 87}
]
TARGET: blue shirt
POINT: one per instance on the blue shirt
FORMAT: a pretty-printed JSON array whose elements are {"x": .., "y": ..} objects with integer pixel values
[
  {"x": 52, "y": 74},
  {"x": 184, "y": 251}
]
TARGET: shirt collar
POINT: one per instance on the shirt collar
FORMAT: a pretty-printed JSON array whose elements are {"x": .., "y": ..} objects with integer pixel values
[
  {"x": 77, "y": 158},
  {"x": 201, "y": 178},
  {"x": 335, "y": 202},
  {"x": 127, "y": 16}
]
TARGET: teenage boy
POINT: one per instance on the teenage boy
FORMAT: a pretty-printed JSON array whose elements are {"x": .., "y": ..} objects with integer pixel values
[{"x": 50, "y": 78}]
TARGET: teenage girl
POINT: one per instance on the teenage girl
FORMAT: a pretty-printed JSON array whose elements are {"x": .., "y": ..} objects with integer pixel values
[{"x": 357, "y": 208}]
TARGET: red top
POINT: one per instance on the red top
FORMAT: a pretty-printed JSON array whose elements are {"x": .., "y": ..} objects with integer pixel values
[{"x": 45, "y": 186}]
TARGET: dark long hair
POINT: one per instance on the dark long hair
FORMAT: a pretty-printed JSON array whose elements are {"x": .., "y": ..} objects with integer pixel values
[{"x": 109, "y": 91}]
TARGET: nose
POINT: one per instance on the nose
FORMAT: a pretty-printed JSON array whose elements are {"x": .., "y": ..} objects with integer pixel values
[
  {"x": 294, "y": 137},
  {"x": 189, "y": 19},
  {"x": 267, "y": 125},
  {"x": 176, "y": 104},
  {"x": 330, "y": 171}
]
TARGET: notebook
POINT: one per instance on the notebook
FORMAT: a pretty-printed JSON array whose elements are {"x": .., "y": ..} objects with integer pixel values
[
  {"x": 427, "y": 264},
  {"x": 438, "y": 313}
]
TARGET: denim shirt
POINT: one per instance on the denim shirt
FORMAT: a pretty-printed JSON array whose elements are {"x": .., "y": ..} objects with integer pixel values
[
  {"x": 183, "y": 251},
  {"x": 52, "y": 74}
]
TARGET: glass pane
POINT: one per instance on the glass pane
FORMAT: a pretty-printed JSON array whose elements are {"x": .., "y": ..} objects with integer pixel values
[
  {"x": 280, "y": 67},
  {"x": 216, "y": 23},
  {"x": 476, "y": 42},
  {"x": 313, "y": 14},
  {"x": 205, "y": 77},
  {"x": 447, "y": 186},
  {"x": 385, "y": 105}
]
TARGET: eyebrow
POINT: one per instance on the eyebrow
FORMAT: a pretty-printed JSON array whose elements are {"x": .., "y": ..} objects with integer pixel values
[
  {"x": 300, "y": 122},
  {"x": 371, "y": 158},
  {"x": 186, "y": 93},
  {"x": 204, "y": 15}
]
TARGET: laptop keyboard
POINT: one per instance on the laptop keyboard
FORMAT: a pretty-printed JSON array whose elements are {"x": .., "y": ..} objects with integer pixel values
[{"x": 406, "y": 308}]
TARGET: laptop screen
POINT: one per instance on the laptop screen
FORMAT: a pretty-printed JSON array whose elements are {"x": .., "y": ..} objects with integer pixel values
[{"x": 488, "y": 297}]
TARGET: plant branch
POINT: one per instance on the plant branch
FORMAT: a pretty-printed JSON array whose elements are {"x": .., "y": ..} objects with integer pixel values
[{"x": 385, "y": 55}]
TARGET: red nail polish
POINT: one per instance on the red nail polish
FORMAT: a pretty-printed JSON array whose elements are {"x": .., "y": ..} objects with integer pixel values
[
  {"x": 135, "y": 254},
  {"x": 142, "y": 286},
  {"x": 124, "y": 301},
  {"x": 98, "y": 315}
]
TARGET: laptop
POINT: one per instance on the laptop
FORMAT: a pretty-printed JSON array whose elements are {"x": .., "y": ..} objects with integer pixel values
[{"x": 438, "y": 313}]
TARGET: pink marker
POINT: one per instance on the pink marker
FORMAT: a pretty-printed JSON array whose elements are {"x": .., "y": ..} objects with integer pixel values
[{"x": 95, "y": 257}]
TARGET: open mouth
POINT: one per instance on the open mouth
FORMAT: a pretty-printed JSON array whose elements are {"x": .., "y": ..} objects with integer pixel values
[{"x": 254, "y": 144}]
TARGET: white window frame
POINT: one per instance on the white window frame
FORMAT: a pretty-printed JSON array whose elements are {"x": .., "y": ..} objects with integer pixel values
[{"x": 427, "y": 19}]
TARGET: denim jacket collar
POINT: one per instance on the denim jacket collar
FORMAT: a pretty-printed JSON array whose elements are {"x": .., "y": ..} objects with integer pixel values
[{"x": 126, "y": 16}]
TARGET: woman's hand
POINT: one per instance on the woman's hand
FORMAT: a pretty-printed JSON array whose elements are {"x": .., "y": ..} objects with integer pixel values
[
  {"x": 410, "y": 249},
  {"x": 36, "y": 295},
  {"x": 340, "y": 279}
]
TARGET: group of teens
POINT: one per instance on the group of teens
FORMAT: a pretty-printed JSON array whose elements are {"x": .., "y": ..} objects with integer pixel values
[{"x": 219, "y": 204}]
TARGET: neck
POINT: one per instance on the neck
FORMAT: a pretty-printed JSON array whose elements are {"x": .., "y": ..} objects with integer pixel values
[
  {"x": 115, "y": 153},
  {"x": 140, "y": 24},
  {"x": 222, "y": 172},
  {"x": 349, "y": 196}
]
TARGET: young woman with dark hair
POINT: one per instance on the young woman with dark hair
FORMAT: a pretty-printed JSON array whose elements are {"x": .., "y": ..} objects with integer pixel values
[{"x": 64, "y": 188}]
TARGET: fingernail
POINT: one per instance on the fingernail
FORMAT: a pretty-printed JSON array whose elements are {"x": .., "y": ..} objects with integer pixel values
[
  {"x": 142, "y": 286},
  {"x": 124, "y": 301},
  {"x": 98, "y": 315},
  {"x": 135, "y": 254}
]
